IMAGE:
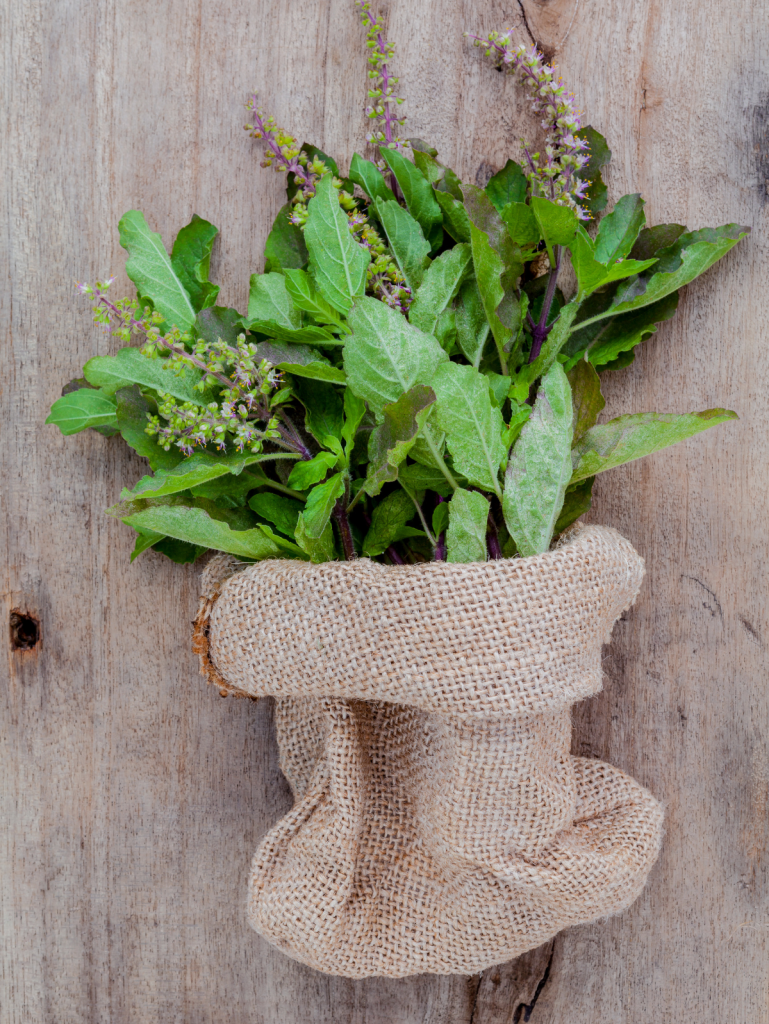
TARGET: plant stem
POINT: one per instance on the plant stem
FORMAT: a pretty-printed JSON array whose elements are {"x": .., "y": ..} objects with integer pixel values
[
  {"x": 421, "y": 515},
  {"x": 492, "y": 538},
  {"x": 542, "y": 329},
  {"x": 348, "y": 544},
  {"x": 440, "y": 549},
  {"x": 395, "y": 556},
  {"x": 295, "y": 439},
  {"x": 355, "y": 501},
  {"x": 428, "y": 436}
]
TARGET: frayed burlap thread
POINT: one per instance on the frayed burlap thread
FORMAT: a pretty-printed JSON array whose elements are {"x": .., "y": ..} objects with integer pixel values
[{"x": 440, "y": 823}]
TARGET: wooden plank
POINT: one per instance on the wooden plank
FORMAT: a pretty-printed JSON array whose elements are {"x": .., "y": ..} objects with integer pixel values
[
  {"x": 135, "y": 796},
  {"x": 677, "y": 89}
]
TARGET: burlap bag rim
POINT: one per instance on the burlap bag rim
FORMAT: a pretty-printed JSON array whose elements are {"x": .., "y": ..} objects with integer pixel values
[{"x": 478, "y": 659}]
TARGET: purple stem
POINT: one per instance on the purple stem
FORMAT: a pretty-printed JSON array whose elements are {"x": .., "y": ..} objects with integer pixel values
[
  {"x": 292, "y": 165},
  {"x": 541, "y": 330},
  {"x": 395, "y": 556},
  {"x": 492, "y": 538},
  {"x": 348, "y": 544},
  {"x": 386, "y": 76},
  {"x": 440, "y": 549}
]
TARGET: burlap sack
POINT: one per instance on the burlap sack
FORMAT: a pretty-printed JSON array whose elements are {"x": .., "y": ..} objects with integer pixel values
[{"x": 423, "y": 716}]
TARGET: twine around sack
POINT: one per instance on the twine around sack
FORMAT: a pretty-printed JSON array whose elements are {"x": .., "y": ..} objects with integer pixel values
[{"x": 440, "y": 823}]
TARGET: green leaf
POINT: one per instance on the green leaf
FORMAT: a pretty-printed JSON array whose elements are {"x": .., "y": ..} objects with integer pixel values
[
  {"x": 498, "y": 264},
  {"x": 652, "y": 240},
  {"x": 285, "y": 248},
  {"x": 429, "y": 447},
  {"x": 539, "y": 469},
  {"x": 441, "y": 177},
  {"x": 576, "y": 503},
  {"x": 191, "y": 259},
  {"x": 404, "y": 235},
  {"x": 269, "y": 302},
  {"x": 230, "y": 491},
  {"x": 197, "y": 469},
  {"x": 557, "y": 224},
  {"x": 499, "y": 386},
  {"x": 287, "y": 547},
  {"x": 315, "y": 371},
  {"x": 441, "y": 283},
  {"x": 586, "y": 398},
  {"x": 320, "y": 505},
  {"x": 305, "y": 296},
  {"x": 195, "y": 526},
  {"x": 276, "y": 353},
  {"x": 440, "y": 520},
  {"x": 591, "y": 274},
  {"x": 144, "y": 540},
  {"x": 417, "y": 191},
  {"x": 354, "y": 411},
  {"x": 132, "y": 411},
  {"x": 619, "y": 229},
  {"x": 388, "y": 519},
  {"x": 276, "y": 509},
  {"x": 320, "y": 549},
  {"x": 472, "y": 424},
  {"x": 149, "y": 267},
  {"x": 217, "y": 322},
  {"x": 419, "y": 145},
  {"x": 417, "y": 477},
  {"x": 520, "y": 414},
  {"x": 599, "y": 156},
  {"x": 129, "y": 366},
  {"x": 82, "y": 409},
  {"x": 427, "y": 165},
  {"x": 487, "y": 220},
  {"x": 307, "y": 334},
  {"x": 338, "y": 263},
  {"x": 604, "y": 341},
  {"x": 385, "y": 356},
  {"x": 691, "y": 255},
  {"x": 393, "y": 439},
  {"x": 507, "y": 186},
  {"x": 370, "y": 179},
  {"x": 455, "y": 219},
  {"x": 468, "y": 520},
  {"x": 305, "y": 474},
  {"x": 631, "y": 437},
  {"x": 323, "y": 409},
  {"x": 179, "y": 551},
  {"x": 446, "y": 330},
  {"x": 521, "y": 224},
  {"x": 472, "y": 325}
]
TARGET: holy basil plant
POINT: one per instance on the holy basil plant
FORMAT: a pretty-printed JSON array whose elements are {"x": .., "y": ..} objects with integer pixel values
[{"x": 409, "y": 381}]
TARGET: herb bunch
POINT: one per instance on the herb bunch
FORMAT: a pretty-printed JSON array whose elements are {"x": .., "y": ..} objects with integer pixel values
[{"x": 409, "y": 382}]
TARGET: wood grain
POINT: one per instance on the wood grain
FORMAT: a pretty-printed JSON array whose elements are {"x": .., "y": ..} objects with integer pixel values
[{"x": 133, "y": 796}]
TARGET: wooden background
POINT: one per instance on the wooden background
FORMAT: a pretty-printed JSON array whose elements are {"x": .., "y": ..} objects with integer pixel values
[{"x": 132, "y": 796}]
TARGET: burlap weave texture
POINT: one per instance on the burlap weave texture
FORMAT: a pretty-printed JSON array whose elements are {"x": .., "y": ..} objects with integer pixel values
[{"x": 423, "y": 716}]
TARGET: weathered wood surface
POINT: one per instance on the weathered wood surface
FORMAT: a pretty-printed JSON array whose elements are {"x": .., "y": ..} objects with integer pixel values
[{"x": 133, "y": 796}]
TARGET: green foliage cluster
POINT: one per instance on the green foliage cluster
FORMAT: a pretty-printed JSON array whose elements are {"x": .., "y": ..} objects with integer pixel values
[{"x": 457, "y": 421}]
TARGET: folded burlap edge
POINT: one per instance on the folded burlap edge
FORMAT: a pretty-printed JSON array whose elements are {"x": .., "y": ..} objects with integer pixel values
[
  {"x": 212, "y": 579},
  {"x": 223, "y": 566}
]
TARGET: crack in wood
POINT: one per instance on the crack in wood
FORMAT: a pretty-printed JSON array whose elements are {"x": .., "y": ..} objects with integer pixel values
[
  {"x": 718, "y": 609},
  {"x": 508, "y": 993},
  {"x": 526, "y": 23},
  {"x": 528, "y": 1008}
]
